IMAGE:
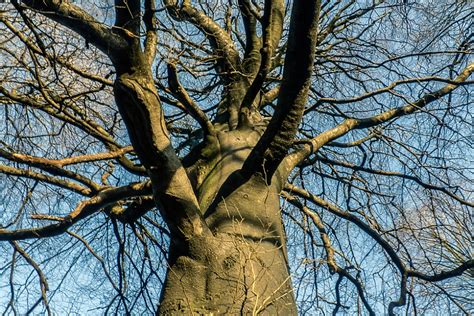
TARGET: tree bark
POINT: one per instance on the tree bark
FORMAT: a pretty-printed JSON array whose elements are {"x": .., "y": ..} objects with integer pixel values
[
  {"x": 237, "y": 275},
  {"x": 241, "y": 268}
]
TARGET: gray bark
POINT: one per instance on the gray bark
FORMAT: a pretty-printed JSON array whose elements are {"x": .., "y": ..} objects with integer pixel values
[{"x": 242, "y": 267}]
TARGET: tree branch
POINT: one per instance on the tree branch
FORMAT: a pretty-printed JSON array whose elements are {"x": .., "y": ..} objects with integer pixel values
[
  {"x": 81, "y": 22},
  {"x": 150, "y": 21},
  {"x": 398, "y": 175},
  {"x": 69, "y": 185},
  {"x": 293, "y": 159},
  {"x": 350, "y": 217},
  {"x": 42, "y": 52},
  {"x": 219, "y": 39},
  {"x": 51, "y": 167},
  {"x": 404, "y": 271},
  {"x": 182, "y": 95},
  {"x": 89, "y": 127},
  {"x": 437, "y": 277},
  {"x": 274, "y": 13},
  {"x": 127, "y": 16},
  {"x": 253, "y": 43},
  {"x": 42, "y": 278},
  {"x": 277, "y": 138},
  {"x": 82, "y": 210},
  {"x": 331, "y": 262}
]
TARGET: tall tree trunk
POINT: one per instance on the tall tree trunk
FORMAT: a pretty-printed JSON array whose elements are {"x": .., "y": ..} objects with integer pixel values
[
  {"x": 239, "y": 265},
  {"x": 241, "y": 268}
]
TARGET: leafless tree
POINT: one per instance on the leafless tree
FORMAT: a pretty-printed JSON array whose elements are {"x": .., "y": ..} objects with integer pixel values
[{"x": 236, "y": 157}]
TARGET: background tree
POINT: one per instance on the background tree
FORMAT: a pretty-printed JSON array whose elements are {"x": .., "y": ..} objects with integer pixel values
[{"x": 236, "y": 156}]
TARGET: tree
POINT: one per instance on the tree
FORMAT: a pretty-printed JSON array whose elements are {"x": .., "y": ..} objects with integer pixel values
[{"x": 224, "y": 157}]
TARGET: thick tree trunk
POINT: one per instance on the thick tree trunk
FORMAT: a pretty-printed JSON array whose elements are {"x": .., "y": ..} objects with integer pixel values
[
  {"x": 242, "y": 267},
  {"x": 237, "y": 275},
  {"x": 239, "y": 264}
]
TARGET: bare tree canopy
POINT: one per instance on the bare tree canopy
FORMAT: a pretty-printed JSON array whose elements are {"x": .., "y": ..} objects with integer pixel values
[{"x": 236, "y": 157}]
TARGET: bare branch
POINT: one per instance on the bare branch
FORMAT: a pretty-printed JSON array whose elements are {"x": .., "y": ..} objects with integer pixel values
[
  {"x": 76, "y": 19},
  {"x": 24, "y": 173},
  {"x": 51, "y": 167},
  {"x": 399, "y": 175},
  {"x": 272, "y": 26},
  {"x": 84, "y": 209},
  {"x": 331, "y": 262},
  {"x": 42, "y": 278},
  {"x": 150, "y": 21},
  {"x": 277, "y": 139},
  {"x": 223, "y": 45},
  {"x": 347, "y": 125},
  {"x": 182, "y": 95}
]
